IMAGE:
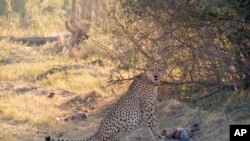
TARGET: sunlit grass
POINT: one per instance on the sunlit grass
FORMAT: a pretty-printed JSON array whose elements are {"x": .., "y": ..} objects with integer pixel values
[
  {"x": 27, "y": 70},
  {"x": 12, "y": 53},
  {"x": 6, "y": 135},
  {"x": 19, "y": 62},
  {"x": 21, "y": 71},
  {"x": 36, "y": 110},
  {"x": 76, "y": 80}
]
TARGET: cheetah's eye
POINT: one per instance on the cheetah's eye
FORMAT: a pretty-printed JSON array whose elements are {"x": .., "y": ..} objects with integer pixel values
[{"x": 159, "y": 70}]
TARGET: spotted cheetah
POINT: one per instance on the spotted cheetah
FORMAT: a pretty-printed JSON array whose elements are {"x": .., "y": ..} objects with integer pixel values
[{"x": 136, "y": 104}]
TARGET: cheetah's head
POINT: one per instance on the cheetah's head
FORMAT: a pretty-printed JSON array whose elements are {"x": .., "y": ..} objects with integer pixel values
[{"x": 154, "y": 72}]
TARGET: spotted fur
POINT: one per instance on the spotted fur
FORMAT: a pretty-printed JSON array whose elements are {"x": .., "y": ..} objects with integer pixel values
[{"x": 136, "y": 104}]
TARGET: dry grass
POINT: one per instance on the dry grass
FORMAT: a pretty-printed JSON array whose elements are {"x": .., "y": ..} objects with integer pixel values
[
  {"x": 36, "y": 110},
  {"x": 23, "y": 116},
  {"x": 74, "y": 80},
  {"x": 28, "y": 116},
  {"x": 6, "y": 135}
]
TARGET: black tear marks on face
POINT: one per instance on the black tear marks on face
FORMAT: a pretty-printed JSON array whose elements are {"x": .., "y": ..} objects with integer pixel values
[{"x": 154, "y": 72}]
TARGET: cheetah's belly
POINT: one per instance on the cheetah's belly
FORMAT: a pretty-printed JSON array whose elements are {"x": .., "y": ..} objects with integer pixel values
[{"x": 134, "y": 119}]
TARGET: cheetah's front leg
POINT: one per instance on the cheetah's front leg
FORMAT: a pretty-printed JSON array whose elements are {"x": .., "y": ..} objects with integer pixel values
[{"x": 149, "y": 115}]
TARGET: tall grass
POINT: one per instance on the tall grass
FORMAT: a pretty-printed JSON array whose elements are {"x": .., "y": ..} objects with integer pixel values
[{"x": 28, "y": 108}]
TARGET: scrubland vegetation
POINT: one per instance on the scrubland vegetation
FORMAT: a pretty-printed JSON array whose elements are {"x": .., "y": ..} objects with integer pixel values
[{"x": 204, "y": 47}]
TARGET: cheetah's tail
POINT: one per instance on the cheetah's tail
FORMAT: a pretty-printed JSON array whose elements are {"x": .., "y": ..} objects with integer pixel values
[{"x": 48, "y": 138}]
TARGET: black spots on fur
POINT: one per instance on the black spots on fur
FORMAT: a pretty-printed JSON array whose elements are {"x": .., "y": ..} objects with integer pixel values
[
  {"x": 47, "y": 138},
  {"x": 127, "y": 113}
]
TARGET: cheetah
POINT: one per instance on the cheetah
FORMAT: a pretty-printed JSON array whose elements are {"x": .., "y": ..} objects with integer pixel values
[{"x": 136, "y": 104}]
